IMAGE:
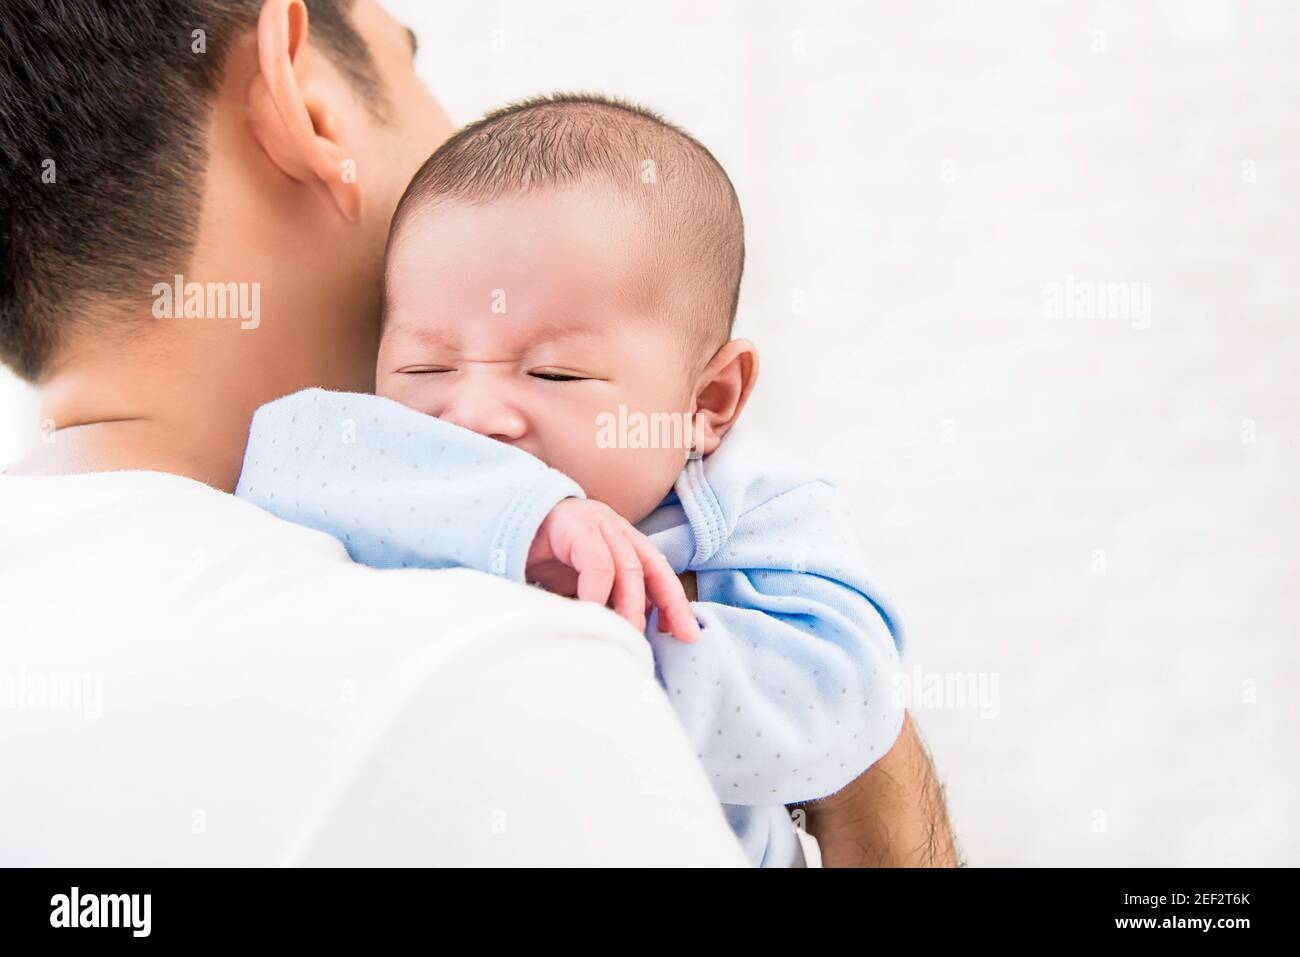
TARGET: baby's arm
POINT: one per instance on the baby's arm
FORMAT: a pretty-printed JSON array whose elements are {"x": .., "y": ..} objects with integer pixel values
[
  {"x": 403, "y": 489},
  {"x": 397, "y": 487},
  {"x": 789, "y": 694}
]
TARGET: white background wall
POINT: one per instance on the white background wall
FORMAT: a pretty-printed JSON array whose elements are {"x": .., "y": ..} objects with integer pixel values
[{"x": 1100, "y": 514}]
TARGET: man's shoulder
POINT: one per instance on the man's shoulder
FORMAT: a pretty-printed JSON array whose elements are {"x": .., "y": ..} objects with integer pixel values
[
  {"x": 218, "y": 667},
  {"x": 144, "y": 518},
  {"x": 163, "y": 548}
]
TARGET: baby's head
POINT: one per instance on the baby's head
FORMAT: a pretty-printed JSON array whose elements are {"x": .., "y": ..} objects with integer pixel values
[{"x": 562, "y": 275}]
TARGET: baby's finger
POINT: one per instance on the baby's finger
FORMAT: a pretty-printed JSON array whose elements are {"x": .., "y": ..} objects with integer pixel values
[
  {"x": 665, "y": 589},
  {"x": 629, "y": 581},
  {"x": 591, "y": 559}
]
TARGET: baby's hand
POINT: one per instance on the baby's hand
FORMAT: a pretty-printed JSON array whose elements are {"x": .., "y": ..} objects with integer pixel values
[{"x": 586, "y": 549}]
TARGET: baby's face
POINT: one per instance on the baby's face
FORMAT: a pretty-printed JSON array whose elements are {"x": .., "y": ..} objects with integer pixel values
[{"x": 528, "y": 320}]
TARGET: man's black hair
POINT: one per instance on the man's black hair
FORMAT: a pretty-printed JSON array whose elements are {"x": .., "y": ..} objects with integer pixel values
[{"x": 103, "y": 113}]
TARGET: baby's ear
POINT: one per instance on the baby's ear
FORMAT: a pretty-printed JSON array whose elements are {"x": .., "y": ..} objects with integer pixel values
[{"x": 722, "y": 391}]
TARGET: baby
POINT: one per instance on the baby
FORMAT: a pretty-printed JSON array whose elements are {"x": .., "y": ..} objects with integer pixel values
[{"x": 558, "y": 398}]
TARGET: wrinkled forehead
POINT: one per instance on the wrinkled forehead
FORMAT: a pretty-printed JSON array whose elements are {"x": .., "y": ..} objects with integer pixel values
[{"x": 455, "y": 331}]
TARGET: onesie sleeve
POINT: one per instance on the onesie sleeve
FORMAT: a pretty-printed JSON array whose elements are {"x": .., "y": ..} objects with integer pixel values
[
  {"x": 791, "y": 691},
  {"x": 398, "y": 488}
]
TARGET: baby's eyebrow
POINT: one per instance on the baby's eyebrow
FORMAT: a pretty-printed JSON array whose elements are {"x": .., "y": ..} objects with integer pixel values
[
  {"x": 439, "y": 336},
  {"x": 400, "y": 321},
  {"x": 560, "y": 329}
]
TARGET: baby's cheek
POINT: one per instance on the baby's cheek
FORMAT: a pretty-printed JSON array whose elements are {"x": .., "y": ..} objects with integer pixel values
[
  {"x": 618, "y": 457},
  {"x": 634, "y": 481}
]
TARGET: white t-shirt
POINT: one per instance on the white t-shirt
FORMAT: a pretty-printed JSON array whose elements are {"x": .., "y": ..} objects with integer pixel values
[{"x": 187, "y": 680}]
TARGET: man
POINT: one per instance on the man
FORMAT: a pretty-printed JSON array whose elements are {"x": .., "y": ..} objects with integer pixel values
[{"x": 191, "y": 680}]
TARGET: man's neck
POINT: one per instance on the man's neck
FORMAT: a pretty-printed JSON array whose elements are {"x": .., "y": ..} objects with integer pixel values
[
  {"x": 202, "y": 440},
  {"x": 162, "y": 414},
  {"x": 129, "y": 444}
]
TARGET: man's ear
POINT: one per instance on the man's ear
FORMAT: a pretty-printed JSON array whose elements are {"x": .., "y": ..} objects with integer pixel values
[
  {"x": 721, "y": 392},
  {"x": 289, "y": 105}
]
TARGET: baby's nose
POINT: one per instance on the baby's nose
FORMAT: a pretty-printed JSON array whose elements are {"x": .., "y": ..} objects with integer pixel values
[{"x": 480, "y": 411}]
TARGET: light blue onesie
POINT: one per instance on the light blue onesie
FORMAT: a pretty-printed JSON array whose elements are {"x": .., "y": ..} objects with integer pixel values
[{"x": 789, "y": 694}]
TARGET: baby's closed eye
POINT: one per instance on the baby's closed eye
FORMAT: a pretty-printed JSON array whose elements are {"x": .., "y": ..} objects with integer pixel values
[{"x": 557, "y": 376}]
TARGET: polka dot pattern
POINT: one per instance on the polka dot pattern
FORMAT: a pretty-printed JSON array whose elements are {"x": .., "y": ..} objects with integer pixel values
[
  {"x": 791, "y": 692},
  {"x": 398, "y": 488}
]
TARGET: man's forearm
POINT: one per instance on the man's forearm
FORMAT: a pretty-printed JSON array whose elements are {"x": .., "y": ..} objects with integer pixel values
[{"x": 893, "y": 815}]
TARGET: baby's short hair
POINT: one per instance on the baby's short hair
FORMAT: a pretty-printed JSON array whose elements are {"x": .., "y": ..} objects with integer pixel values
[{"x": 569, "y": 139}]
